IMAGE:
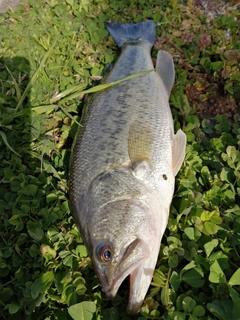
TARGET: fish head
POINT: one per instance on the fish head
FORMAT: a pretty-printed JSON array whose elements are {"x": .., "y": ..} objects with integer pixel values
[{"x": 125, "y": 242}]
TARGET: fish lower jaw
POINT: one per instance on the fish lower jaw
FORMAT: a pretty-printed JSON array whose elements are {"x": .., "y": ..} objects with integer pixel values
[{"x": 112, "y": 289}]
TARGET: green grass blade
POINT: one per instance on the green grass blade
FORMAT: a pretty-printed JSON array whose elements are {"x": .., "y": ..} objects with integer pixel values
[
  {"x": 44, "y": 109},
  {"x": 97, "y": 88},
  {"x": 2, "y": 134},
  {"x": 45, "y": 165},
  {"x": 36, "y": 74},
  {"x": 17, "y": 88},
  {"x": 69, "y": 115},
  {"x": 66, "y": 92}
]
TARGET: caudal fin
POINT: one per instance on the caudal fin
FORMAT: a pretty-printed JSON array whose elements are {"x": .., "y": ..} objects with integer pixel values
[{"x": 142, "y": 31}]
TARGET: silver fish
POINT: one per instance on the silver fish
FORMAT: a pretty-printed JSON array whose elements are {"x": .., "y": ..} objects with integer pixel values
[{"x": 123, "y": 166}]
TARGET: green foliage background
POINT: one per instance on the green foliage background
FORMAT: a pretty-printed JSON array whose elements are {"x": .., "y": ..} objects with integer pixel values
[{"x": 50, "y": 51}]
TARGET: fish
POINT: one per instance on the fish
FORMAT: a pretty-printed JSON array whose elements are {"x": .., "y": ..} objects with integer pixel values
[{"x": 123, "y": 165}]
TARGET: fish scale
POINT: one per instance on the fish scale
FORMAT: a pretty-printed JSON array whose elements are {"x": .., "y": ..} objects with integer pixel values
[
  {"x": 112, "y": 126},
  {"x": 123, "y": 165}
]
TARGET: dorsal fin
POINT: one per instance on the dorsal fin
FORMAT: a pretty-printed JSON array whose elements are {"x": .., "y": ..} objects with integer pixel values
[{"x": 165, "y": 69}]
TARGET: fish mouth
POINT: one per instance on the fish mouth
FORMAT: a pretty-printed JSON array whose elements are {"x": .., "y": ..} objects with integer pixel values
[
  {"x": 112, "y": 289},
  {"x": 137, "y": 252},
  {"x": 139, "y": 271}
]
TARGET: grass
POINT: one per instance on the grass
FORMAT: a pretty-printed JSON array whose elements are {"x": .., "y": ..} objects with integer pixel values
[{"x": 50, "y": 53}]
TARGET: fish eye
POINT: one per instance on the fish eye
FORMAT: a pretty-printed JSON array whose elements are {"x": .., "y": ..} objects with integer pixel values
[{"x": 105, "y": 253}]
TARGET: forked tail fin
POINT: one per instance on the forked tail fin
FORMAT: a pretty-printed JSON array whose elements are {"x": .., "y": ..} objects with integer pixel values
[{"x": 142, "y": 31}]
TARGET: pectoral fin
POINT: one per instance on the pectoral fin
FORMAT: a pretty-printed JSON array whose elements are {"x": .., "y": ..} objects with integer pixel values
[
  {"x": 139, "y": 143},
  {"x": 178, "y": 151},
  {"x": 165, "y": 69}
]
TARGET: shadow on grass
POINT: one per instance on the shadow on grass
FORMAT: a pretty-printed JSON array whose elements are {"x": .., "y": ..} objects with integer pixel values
[{"x": 15, "y": 140}]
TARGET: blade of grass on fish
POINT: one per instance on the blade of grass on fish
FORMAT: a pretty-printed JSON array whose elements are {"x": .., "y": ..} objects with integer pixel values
[
  {"x": 69, "y": 115},
  {"x": 105, "y": 85},
  {"x": 66, "y": 92},
  {"x": 16, "y": 86},
  {"x": 2, "y": 134},
  {"x": 36, "y": 74}
]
